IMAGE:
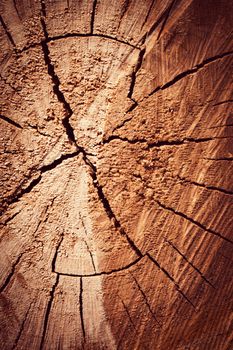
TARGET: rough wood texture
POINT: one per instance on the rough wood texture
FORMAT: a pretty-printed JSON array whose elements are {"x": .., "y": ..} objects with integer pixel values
[{"x": 116, "y": 174}]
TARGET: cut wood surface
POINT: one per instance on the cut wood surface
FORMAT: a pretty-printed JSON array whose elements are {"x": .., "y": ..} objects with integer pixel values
[{"x": 116, "y": 175}]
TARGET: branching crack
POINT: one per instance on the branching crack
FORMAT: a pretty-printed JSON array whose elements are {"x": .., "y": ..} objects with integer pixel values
[
  {"x": 146, "y": 300},
  {"x": 194, "y": 222},
  {"x": 10, "y": 121},
  {"x": 212, "y": 188},
  {"x": 47, "y": 313},
  {"x": 55, "y": 80},
  {"x": 81, "y": 310},
  {"x": 13, "y": 268},
  {"x": 189, "y": 262},
  {"x": 177, "y": 78},
  {"x": 171, "y": 279}
]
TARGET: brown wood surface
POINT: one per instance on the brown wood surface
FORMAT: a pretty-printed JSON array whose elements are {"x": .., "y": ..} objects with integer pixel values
[{"x": 116, "y": 174}]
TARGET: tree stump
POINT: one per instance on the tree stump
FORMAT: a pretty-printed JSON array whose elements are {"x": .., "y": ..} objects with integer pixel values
[{"x": 116, "y": 174}]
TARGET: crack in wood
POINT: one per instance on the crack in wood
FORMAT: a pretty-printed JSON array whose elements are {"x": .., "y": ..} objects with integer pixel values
[
  {"x": 11, "y": 121},
  {"x": 21, "y": 329},
  {"x": 148, "y": 13},
  {"x": 10, "y": 275},
  {"x": 219, "y": 158},
  {"x": 20, "y": 192},
  {"x": 177, "y": 78},
  {"x": 189, "y": 262},
  {"x": 194, "y": 222},
  {"x": 16, "y": 9},
  {"x": 124, "y": 268},
  {"x": 162, "y": 143},
  {"x": 222, "y": 102},
  {"x": 166, "y": 273},
  {"x": 81, "y": 309},
  {"x": 124, "y": 9},
  {"x": 190, "y": 71},
  {"x": 134, "y": 74},
  {"x": 166, "y": 15},
  {"x": 7, "y": 32},
  {"x": 77, "y": 35},
  {"x": 127, "y": 312},
  {"x": 155, "y": 25},
  {"x": 56, "y": 252},
  {"x": 55, "y": 80},
  {"x": 48, "y": 310},
  {"x": 88, "y": 248},
  {"x": 208, "y": 187},
  {"x": 146, "y": 300},
  {"x": 93, "y": 16}
]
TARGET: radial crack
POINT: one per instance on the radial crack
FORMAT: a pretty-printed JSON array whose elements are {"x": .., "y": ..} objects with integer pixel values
[
  {"x": 21, "y": 328},
  {"x": 88, "y": 248},
  {"x": 189, "y": 262},
  {"x": 134, "y": 73},
  {"x": 127, "y": 312},
  {"x": 171, "y": 279},
  {"x": 8, "y": 278},
  {"x": 148, "y": 13},
  {"x": 56, "y": 252},
  {"x": 16, "y": 9},
  {"x": 81, "y": 310},
  {"x": 219, "y": 158},
  {"x": 55, "y": 80},
  {"x": 20, "y": 192},
  {"x": 166, "y": 15},
  {"x": 48, "y": 309},
  {"x": 222, "y": 102},
  {"x": 190, "y": 71},
  {"x": 156, "y": 24},
  {"x": 161, "y": 143},
  {"x": 212, "y": 188},
  {"x": 145, "y": 299},
  {"x": 103, "y": 199},
  {"x": 7, "y": 32},
  {"x": 194, "y": 222},
  {"x": 10, "y": 121},
  {"x": 124, "y": 8},
  {"x": 93, "y": 16}
]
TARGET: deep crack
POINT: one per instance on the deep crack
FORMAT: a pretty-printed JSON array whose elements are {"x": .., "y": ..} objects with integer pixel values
[
  {"x": 81, "y": 309},
  {"x": 171, "y": 279},
  {"x": 194, "y": 222},
  {"x": 48, "y": 309}
]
